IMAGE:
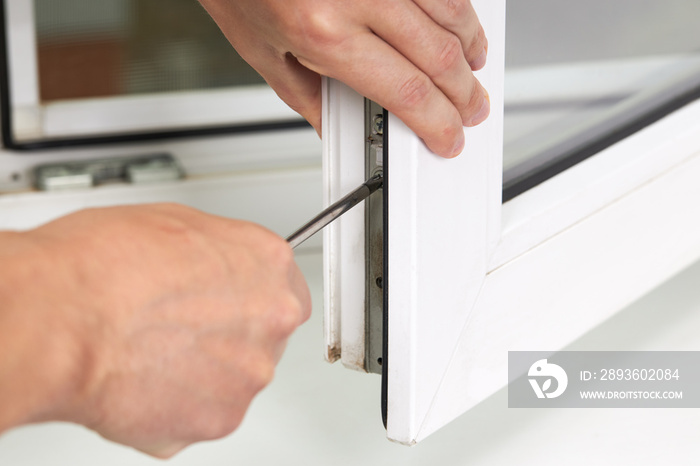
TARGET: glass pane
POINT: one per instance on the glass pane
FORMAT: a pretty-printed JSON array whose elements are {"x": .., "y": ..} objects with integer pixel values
[
  {"x": 581, "y": 75},
  {"x": 103, "y": 48}
]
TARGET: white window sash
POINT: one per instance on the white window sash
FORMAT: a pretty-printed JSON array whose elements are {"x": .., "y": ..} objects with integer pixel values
[{"x": 471, "y": 278}]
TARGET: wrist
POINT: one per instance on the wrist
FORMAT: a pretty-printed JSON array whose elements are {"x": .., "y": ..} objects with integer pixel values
[{"x": 39, "y": 361}]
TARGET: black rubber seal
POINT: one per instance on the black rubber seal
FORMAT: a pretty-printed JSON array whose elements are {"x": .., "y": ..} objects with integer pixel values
[
  {"x": 385, "y": 271},
  {"x": 578, "y": 154}
]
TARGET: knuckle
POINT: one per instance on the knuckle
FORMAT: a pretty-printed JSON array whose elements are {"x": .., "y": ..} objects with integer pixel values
[
  {"x": 478, "y": 44},
  {"x": 415, "y": 90},
  {"x": 321, "y": 29},
  {"x": 261, "y": 375},
  {"x": 481, "y": 36},
  {"x": 315, "y": 30},
  {"x": 165, "y": 452},
  {"x": 284, "y": 316},
  {"x": 448, "y": 136},
  {"x": 450, "y": 55},
  {"x": 305, "y": 309},
  {"x": 223, "y": 424},
  {"x": 253, "y": 372},
  {"x": 458, "y": 8},
  {"x": 451, "y": 133},
  {"x": 281, "y": 256},
  {"x": 476, "y": 97},
  {"x": 287, "y": 317},
  {"x": 270, "y": 247},
  {"x": 282, "y": 252}
]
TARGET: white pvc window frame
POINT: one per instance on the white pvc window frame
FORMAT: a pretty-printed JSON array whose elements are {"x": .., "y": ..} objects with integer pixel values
[
  {"x": 33, "y": 120},
  {"x": 534, "y": 273}
]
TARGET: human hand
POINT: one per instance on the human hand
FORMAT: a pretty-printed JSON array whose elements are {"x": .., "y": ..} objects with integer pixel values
[
  {"x": 157, "y": 324},
  {"x": 413, "y": 57}
]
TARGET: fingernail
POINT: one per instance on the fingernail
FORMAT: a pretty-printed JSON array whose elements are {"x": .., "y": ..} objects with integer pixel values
[
  {"x": 483, "y": 112},
  {"x": 481, "y": 61}
]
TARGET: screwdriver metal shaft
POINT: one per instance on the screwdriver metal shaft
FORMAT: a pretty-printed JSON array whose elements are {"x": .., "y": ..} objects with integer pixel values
[{"x": 335, "y": 210}]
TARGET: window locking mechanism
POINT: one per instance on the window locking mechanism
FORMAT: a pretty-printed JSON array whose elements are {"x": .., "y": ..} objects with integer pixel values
[
  {"x": 374, "y": 240},
  {"x": 374, "y": 233}
]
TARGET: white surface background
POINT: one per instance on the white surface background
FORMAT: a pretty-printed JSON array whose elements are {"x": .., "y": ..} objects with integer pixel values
[{"x": 315, "y": 413}]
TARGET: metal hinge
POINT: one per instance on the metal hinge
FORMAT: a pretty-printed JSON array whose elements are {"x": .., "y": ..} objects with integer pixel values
[{"x": 80, "y": 175}]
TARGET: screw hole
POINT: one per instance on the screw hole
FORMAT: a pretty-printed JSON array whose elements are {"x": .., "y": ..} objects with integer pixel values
[
  {"x": 379, "y": 361},
  {"x": 380, "y": 282}
]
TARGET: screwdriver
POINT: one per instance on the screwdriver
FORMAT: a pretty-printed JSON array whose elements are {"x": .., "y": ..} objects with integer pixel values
[{"x": 335, "y": 210}]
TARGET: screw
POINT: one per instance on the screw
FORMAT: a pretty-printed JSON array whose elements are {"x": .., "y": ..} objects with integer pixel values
[{"x": 378, "y": 125}]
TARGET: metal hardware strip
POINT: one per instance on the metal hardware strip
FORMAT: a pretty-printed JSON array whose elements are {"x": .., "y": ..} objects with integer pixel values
[{"x": 374, "y": 240}]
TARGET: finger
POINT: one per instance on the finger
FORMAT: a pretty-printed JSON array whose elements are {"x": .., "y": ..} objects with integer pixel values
[
  {"x": 435, "y": 51},
  {"x": 376, "y": 70},
  {"x": 301, "y": 291},
  {"x": 459, "y": 17},
  {"x": 296, "y": 85}
]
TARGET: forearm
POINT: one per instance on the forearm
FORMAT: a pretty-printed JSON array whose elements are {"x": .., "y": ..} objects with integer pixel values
[{"x": 34, "y": 366}]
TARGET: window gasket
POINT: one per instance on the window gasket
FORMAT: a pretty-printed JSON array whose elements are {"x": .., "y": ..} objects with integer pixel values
[{"x": 615, "y": 134}]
